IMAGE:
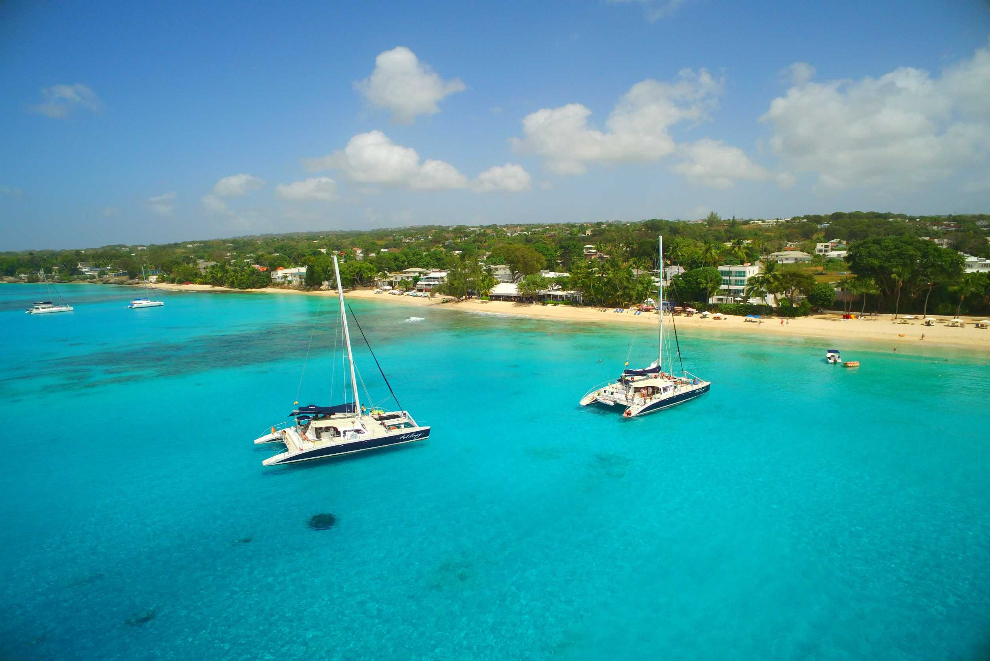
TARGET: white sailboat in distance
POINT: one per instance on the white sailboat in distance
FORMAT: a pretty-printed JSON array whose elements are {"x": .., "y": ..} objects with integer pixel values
[
  {"x": 318, "y": 432},
  {"x": 650, "y": 389},
  {"x": 147, "y": 301},
  {"x": 47, "y": 307}
]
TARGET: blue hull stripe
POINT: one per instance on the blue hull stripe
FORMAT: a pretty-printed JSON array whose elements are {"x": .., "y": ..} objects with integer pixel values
[
  {"x": 674, "y": 401},
  {"x": 356, "y": 446}
]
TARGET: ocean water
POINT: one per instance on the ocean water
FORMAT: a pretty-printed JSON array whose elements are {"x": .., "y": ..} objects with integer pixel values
[{"x": 797, "y": 511}]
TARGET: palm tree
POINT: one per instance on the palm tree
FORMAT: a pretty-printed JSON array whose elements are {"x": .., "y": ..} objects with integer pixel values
[
  {"x": 863, "y": 287},
  {"x": 768, "y": 282},
  {"x": 969, "y": 285},
  {"x": 711, "y": 254},
  {"x": 899, "y": 274}
]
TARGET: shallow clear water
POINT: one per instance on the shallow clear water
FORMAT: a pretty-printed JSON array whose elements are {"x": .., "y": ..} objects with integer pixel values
[{"x": 797, "y": 511}]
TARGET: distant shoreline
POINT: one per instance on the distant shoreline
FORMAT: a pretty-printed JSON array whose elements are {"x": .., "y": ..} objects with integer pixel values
[{"x": 827, "y": 327}]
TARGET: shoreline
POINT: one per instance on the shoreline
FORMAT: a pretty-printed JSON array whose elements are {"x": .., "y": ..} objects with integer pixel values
[{"x": 828, "y": 326}]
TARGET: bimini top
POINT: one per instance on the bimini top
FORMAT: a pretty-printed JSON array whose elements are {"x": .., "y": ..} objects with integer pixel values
[
  {"x": 832, "y": 351},
  {"x": 643, "y": 372},
  {"x": 313, "y": 409}
]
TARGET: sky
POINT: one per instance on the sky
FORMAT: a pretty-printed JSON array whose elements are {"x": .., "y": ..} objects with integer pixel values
[{"x": 138, "y": 122}]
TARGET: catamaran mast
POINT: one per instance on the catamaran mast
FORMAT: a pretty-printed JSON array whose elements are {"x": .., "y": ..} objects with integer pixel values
[
  {"x": 347, "y": 336},
  {"x": 660, "y": 307}
]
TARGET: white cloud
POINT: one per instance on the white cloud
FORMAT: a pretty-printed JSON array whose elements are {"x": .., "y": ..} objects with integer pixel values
[
  {"x": 214, "y": 204},
  {"x": 109, "y": 212},
  {"x": 653, "y": 10},
  {"x": 636, "y": 130},
  {"x": 372, "y": 158},
  {"x": 237, "y": 185},
  {"x": 902, "y": 129},
  {"x": 510, "y": 177},
  {"x": 61, "y": 100},
  {"x": 314, "y": 188},
  {"x": 437, "y": 175},
  {"x": 715, "y": 164},
  {"x": 405, "y": 86},
  {"x": 799, "y": 73},
  {"x": 163, "y": 204}
]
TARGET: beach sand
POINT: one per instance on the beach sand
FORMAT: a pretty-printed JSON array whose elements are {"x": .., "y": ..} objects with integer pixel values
[{"x": 832, "y": 327}]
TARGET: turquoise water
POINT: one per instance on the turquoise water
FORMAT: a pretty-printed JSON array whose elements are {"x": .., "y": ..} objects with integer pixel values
[{"x": 797, "y": 511}]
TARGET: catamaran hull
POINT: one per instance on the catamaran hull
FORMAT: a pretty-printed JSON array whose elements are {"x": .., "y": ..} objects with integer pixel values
[
  {"x": 348, "y": 448},
  {"x": 673, "y": 401},
  {"x": 50, "y": 310},
  {"x": 653, "y": 407}
]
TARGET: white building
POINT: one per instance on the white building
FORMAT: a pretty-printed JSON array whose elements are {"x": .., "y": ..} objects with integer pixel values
[
  {"x": 509, "y": 291},
  {"x": 502, "y": 273},
  {"x": 836, "y": 254},
  {"x": 670, "y": 271},
  {"x": 976, "y": 264},
  {"x": 823, "y": 248},
  {"x": 431, "y": 280},
  {"x": 790, "y": 257},
  {"x": 293, "y": 276},
  {"x": 734, "y": 279}
]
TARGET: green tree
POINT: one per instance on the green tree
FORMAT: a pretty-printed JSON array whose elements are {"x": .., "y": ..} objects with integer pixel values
[
  {"x": 793, "y": 280},
  {"x": 696, "y": 285},
  {"x": 521, "y": 259},
  {"x": 531, "y": 285},
  {"x": 821, "y": 295},
  {"x": 769, "y": 282},
  {"x": 936, "y": 267},
  {"x": 970, "y": 284}
]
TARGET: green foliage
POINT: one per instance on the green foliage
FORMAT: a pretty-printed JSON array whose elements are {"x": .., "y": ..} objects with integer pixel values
[
  {"x": 821, "y": 296},
  {"x": 696, "y": 285},
  {"x": 521, "y": 259},
  {"x": 532, "y": 285}
]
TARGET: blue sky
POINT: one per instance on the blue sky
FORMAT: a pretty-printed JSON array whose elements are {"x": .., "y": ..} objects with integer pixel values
[{"x": 154, "y": 122}]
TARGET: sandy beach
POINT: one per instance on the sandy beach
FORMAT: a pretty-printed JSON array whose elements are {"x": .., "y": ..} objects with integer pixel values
[{"x": 832, "y": 326}]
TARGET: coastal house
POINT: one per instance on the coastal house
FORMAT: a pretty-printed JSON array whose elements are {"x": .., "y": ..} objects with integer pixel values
[
  {"x": 790, "y": 257},
  {"x": 509, "y": 291},
  {"x": 670, "y": 271},
  {"x": 202, "y": 265},
  {"x": 431, "y": 280},
  {"x": 734, "y": 280},
  {"x": 976, "y": 264},
  {"x": 502, "y": 273},
  {"x": 89, "y": 270},
  {"x": 294, "y": 276}
]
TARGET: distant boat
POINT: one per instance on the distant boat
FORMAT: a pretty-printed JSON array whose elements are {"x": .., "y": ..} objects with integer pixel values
[
  {"x": 650, "y": 389},
  {"x": 146, "y": 301},
  {"x": 47, "y": 307},
  {"x": 832, "y": 356},
  {"x": 327, "y": 431}
]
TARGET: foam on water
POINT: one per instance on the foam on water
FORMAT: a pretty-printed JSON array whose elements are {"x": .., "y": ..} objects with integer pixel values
[{"x": 796, "y": 511}]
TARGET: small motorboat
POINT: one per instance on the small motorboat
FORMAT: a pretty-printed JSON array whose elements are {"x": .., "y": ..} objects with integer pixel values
[
  {"x": 832, "y": 356},
  {"x": 852, "y": 363}
]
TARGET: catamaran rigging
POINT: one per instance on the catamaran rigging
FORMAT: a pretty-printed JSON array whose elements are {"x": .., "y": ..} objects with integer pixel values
[
  {"x": 317, "y": 432},
  {"x": 649, "y": 389}
]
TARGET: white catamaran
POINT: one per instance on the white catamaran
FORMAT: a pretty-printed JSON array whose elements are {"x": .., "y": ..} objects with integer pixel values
[
  {"x": 326, "y": 431},
  {"x": 47, "y": 307},
  {"x": 147, "y": 301},
  {"x": 650, "y": 389}
]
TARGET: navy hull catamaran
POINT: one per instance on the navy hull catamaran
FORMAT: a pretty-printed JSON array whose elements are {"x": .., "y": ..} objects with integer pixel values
[
  {"x": 318, "y": 432},
  {"x": 650, "y": 389}
]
